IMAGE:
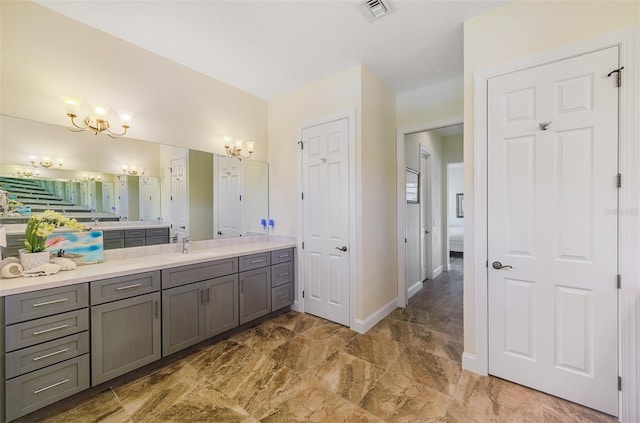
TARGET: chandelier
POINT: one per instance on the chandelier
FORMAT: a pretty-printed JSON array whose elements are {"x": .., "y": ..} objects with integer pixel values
[
  {"x": 96, "y": 123},
  {"x": 233, "y": 147}
]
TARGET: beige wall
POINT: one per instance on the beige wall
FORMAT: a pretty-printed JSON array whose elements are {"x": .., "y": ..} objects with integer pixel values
[
  {"x": 200, "y": 166},
  {"x": 517, "y": 30},
  {"x": 45, "y": 56},
  {"x": 378, "y": 187},
  {"x": 338, "y": 92},
  {"x": 432, "y": 103},
  {"x": 353, "y": 89}
]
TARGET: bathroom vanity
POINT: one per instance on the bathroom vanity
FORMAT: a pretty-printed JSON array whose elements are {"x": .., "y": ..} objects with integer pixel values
[{"x": 72, "y": 331}]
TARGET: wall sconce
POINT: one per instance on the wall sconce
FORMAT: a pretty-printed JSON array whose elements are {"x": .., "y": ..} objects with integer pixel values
[
  {"x": 27, "y": 173},
  {"x": 97, "y": 122},
  {"x": 233, "y": 147},
  {"x": 45, "y": 162},
  {"x": 132, "y": 171},
  {"x": 92, "y": 178}
]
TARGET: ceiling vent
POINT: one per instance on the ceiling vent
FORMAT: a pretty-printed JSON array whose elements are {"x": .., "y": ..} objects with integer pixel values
[{"x": 373, "y": 10}]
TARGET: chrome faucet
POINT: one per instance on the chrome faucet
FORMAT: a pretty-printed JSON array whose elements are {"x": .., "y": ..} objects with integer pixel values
[
  {"x": 185, "y": 244},
  {"x": 96, "y": 222}
]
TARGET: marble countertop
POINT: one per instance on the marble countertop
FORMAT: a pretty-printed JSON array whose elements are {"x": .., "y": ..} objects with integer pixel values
[{"x": 127, "y": 261}]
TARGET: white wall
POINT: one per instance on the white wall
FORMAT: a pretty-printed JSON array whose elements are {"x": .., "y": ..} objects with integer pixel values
[{"x": 516, "y": 30}]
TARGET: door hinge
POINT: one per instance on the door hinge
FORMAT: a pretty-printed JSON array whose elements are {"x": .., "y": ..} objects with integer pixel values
[
  {"x": 405, "y": 240},
  {"x": 301, "y": 145},
  {"x": 303, "y": 245},
  {"x": 619, "y": 180},
  {"x": 619, "y": 72},
  {"x": 619, "y": 383},
  {"x": 619, "y": 281},
  {"x": 171, "y": 198},
  {"x": 302, "y": 294},
  {"x": 486, "y": 264},
  {"x": 302, "y": 195},
  {"x": 241, "y": 198}
]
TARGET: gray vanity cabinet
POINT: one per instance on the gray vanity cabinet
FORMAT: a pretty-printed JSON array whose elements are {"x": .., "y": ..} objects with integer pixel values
[
  {"x": 197, "y": 311},
  {"x": 125, "y": 335},
  {"x": 221, "y": 305},
  {"x": 255, "y": 294},
  {"x": 182, "y": 317}
]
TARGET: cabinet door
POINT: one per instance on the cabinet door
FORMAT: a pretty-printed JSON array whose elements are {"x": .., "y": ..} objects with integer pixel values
[
  {"x": 255, "y": 294},
  {"x": 125, "y": 335},
  {"x": 221, "y": 310},
  {"x": 182, "y": 317}
]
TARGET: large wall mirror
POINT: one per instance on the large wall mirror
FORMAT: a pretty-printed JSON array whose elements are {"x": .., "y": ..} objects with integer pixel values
[{"x": 200, "y": 194}]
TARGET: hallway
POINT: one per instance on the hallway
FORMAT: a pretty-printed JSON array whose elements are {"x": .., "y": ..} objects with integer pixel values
[{"x": 299, "y": 368}]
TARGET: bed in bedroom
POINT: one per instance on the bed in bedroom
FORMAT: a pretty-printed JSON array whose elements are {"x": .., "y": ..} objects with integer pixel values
[{"x": 456, "y": 234}]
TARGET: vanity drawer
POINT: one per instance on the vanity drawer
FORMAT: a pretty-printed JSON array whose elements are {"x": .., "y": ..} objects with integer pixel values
[
  {"x": 255, "y": 261},
  {"x": 281, "y": 273},
  {"x": 111, "y": 244},
  {"x": 113, "y": 289},
  {"x": 112, "y": 235},
  {"x": 35, "y": 390},
  {"x": 15, "y": 241},
  {"x": 281, "y": 256},
  {"x": 46, "y": 329},
  {"x": 183, "y": 275},
  {"x": 157, "y": 240},
  {"x": 157, "y": 232},
  {"x": 134, "y": 233},
  {"x": 282, "y": 296},
  {"x": 42, "y": 355},
  {"x": 134, "y": 242},
  {"x": 36, "y": 304}
]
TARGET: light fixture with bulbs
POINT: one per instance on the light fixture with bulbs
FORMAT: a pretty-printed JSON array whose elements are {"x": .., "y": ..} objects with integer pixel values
[
  {"x": 92, "y": 178},
  {"x": 45, "y": 162},
  {"x": 132, "y": 171},
  {"x": 234, "y": 148},
  {"x": 97, "y": 122},
  {"x": 27, "y": 173}
]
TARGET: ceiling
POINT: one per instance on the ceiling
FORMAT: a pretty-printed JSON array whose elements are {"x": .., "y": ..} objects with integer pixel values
[{"x": 268, "y": 48}]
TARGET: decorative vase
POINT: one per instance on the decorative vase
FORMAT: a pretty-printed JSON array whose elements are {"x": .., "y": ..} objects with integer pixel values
[{"x": 32, "y": 260}]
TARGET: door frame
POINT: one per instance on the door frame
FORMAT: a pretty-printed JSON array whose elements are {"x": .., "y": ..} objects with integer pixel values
[
  {"x": 401, "y": 199},
  {"x": 628, "y": 42},
  {"x": 354, "y": 196},
  {"x": 426, "y": 215}
]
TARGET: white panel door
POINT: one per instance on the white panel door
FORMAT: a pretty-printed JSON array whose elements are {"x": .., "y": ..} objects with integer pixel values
[
  {"x": 228, "y": 197},
  {"x": 108, "y": 201},
  {"x": 325, "y": 184},
  {"x": 179, "y": 198},
  {"x": 552, "y": 198},
  {"x": 122, "y": 197}
]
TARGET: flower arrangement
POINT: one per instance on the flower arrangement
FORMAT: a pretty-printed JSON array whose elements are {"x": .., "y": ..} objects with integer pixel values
[{"x": 41, "y": 225}]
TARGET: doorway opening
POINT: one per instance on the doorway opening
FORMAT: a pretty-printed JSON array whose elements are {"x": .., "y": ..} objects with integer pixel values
[{"x": 430, "y": 214}]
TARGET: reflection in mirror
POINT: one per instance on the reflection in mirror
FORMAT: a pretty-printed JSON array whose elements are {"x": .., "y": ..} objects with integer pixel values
[{"x": 179, "y": 186}]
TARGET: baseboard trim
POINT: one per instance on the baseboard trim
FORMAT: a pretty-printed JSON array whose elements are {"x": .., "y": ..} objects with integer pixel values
[
  {"x": 414, "y": 289},
  {"x": 471, "y": 363},
  {"x": 437, "y": 271},
  {"x": 297, "y": 306},
  {"x": 362, "y": 326}
]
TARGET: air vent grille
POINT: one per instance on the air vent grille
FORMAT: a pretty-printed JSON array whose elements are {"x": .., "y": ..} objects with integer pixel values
[{"x": 375, "y": 9}]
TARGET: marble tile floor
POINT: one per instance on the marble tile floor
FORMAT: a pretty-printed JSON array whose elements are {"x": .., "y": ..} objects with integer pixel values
[{"x": 299, "y": 368}]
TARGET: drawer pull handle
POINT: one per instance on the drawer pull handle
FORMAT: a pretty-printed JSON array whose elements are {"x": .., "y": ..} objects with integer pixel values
[
  {"x": 50, "y": 386},
  {"x": 284, "y": 297},
  {"x": 40, "y": 332},
  {"x": 257, "y": 261},
  {"x": 61, "y": 300},
  {"x": 283, "y": 255},
  {"x": 51, "y": 354},
  {"x": 283, "y": 274},
  {"x": 135, "y": 285}
]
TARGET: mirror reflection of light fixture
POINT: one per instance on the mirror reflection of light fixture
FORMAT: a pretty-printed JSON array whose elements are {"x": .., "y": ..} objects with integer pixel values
[
  {"x": 27, "y": 173},
  {"x": 92, "y": 178},
  {"x": 45, "y": 162},
  {"x": 233, "y": 147},
  {"x": 97, "y": 122},
  {"x": 132, "y": 171}
]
